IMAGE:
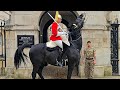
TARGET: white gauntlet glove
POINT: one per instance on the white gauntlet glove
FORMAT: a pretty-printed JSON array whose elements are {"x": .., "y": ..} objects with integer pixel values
[{"x": 61, "y": 33}]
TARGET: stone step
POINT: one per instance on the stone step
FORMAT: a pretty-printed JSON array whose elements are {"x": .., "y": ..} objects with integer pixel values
[
  {"x": 49, "y": 71},
  {"x": 54, "y": 72},
  {"x": 58, "y": 72},
  {"x": 73, "y": 77},
  {"x": 99, "y": 71}
]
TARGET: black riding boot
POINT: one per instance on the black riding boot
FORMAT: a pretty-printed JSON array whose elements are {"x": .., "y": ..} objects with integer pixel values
[{"x": 59, "y": 59}]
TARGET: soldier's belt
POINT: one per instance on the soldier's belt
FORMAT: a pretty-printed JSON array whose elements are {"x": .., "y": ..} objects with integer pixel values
[{"x": 89, "y": 58}]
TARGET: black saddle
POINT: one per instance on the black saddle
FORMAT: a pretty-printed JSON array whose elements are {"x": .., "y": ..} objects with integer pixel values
[
  {"x": 64, "y": 62},
  {"x": 52, "y": 49}
]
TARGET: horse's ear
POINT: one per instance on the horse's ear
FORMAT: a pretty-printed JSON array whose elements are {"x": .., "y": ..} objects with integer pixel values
[{"x": 81, "y": 15}]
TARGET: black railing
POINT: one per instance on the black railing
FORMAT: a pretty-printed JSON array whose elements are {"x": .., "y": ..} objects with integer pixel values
[
  {"x": 114, "y": 48},
  {"x": 115, "y": 66}
]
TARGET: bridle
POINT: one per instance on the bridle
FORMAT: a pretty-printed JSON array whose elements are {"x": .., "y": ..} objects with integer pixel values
[
  {"x": 78, "y": 35},
  {"x": 74, "y": 41}
]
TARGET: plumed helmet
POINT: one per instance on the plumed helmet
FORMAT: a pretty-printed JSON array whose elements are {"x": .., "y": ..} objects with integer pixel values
[{"x": 57, "y": 15}]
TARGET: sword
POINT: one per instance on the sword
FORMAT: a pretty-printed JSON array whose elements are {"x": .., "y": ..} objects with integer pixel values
[{"x": 55, "y": 21}]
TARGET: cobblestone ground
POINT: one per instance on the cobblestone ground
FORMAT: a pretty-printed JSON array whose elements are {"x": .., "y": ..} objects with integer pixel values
[
  {"x": 73, "y": 77},
  {"x": 106, "y": 77}
]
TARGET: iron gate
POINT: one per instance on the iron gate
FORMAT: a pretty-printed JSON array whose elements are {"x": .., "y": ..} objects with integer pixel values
[{"x": 114, "y": 48}]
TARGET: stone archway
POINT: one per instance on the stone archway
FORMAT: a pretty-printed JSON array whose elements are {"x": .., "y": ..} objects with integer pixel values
[{"x": 46, "y": 21}]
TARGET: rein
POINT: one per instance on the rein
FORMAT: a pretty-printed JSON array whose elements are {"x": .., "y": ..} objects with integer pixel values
[{"x": 74, "y": 41}]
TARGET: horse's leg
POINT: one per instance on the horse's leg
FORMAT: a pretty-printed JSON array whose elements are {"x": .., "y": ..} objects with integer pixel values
[
  {"x": 40, "y": 72},
  {"x": 35, "y": 69},
  {"x": 70, "y": 70},
  {"x": 77, "y": 67}
]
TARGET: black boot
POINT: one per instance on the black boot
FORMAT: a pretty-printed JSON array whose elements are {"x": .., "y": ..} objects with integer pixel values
[{"x": 59, "y": 59}]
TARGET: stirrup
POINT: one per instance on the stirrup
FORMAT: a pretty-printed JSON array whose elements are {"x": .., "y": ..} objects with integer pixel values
[{"x": 59, "y": 64}]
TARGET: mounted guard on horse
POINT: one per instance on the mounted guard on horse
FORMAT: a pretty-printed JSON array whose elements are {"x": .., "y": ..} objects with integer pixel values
[
  {"x": 57, "y": 38},
  {"x": 43, "y": 54}
]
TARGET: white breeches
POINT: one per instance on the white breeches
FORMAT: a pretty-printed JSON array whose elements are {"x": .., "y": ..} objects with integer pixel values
[{"x": 59, "y": 43}]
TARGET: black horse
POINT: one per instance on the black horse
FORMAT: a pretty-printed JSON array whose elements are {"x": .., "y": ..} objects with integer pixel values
[{"x": 40, "y": 57}]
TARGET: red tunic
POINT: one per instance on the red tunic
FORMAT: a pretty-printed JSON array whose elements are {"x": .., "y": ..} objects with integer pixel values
[{"x": 54, "y": 30}]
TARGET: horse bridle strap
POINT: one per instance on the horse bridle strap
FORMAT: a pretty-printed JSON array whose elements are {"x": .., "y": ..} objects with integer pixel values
[{"x": 77, "y": 39}]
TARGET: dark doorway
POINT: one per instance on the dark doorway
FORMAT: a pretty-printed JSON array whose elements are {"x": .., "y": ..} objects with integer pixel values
[{"x": 45, "y": 21}]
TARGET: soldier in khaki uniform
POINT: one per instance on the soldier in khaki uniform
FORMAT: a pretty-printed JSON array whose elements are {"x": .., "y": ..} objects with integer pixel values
[{"x": 89, "y": 58}]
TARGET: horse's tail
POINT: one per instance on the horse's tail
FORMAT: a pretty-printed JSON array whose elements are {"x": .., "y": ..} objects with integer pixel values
[{"x": 19, "y": 55}]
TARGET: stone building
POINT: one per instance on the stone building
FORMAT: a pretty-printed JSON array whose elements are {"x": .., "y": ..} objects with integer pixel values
[{"x": 37, "y": 23}]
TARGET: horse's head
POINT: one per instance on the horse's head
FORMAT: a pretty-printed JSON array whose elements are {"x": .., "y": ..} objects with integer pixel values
[{"x": 75, "y": 28}]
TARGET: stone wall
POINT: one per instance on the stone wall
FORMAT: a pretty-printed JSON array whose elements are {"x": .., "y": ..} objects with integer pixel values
[
  {"x": 101, "y": 42},
  {"x": 11, "y": 45},
  {"x": 27, "y": 23}
]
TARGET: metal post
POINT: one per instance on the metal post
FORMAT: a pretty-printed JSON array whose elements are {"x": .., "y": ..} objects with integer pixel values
[
  {"x": 2, "y": 50},
  {"x": 4, "y": 43},
  {"x": 3, "y": 58},
  {"x": 2, "y": 39}
]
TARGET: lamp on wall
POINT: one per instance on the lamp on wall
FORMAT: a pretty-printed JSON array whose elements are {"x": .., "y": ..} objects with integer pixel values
[
  {"x": 1, "y": 25},
  {"x": 116, "y": 21}
]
